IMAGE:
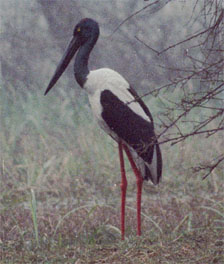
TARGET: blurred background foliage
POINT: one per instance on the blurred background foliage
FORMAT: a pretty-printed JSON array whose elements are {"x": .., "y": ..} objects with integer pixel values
[
  {"x": 52, "y": 144},
  {"x": 42, "y": 130}
]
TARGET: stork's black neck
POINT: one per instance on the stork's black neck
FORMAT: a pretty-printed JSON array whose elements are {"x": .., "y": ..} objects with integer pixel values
[{"x": 81, "y": 69}]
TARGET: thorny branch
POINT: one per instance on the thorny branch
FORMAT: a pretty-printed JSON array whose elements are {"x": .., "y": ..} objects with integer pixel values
[
  {"x": 210, "y": 29},
  {"x": 210, "y": 168},
  {"x": 157, "y": 5},
  {"x": 207, "y": 71}
]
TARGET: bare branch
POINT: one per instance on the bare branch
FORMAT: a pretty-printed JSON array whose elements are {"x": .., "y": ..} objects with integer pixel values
[
  {"x": 209, "y": 168},
  {"x": 157, "y": 6},
  {"x": 210, "y": 29}
]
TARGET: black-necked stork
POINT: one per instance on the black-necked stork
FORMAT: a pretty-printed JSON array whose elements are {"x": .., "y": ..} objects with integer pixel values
[{"x": 118, "y": 110}]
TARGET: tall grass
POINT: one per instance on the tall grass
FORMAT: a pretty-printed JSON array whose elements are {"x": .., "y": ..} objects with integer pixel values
[
  {"x": 33, "y": 208},
  {"x": 53, "y": 144}
]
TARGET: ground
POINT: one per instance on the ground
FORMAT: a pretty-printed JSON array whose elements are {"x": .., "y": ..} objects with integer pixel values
[{"x": 179, "y": 225}]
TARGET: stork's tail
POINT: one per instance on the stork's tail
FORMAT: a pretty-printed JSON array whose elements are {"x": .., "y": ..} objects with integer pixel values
[{"x": 153, "y": 170}]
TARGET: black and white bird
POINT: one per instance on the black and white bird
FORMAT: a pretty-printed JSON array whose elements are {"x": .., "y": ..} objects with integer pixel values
[{"x": 118, "y": 110}]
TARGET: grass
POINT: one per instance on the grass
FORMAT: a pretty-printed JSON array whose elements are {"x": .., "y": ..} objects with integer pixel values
[
  {"x": 60, "y": 195},
  {"x": 33, "y": 209}
]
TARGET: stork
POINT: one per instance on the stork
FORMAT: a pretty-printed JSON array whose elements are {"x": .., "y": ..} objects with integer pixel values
[{"x": 118, "y": 110}]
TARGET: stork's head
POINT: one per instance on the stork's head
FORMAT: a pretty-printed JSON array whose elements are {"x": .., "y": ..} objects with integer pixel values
[{"x": 87, "y": 30}]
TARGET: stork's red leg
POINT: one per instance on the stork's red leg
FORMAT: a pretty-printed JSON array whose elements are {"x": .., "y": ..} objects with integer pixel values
[
  {"x": 139, "y": 181},
  {"x": 123, "y": 189}
]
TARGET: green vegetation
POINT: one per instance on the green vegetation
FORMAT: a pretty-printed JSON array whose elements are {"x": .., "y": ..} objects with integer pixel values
[{"x": 60, "y": 196}]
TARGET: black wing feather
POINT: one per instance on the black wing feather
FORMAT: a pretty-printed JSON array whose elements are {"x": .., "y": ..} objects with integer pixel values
[
  {"x": 158, "y": 151},
  {"x": 128, "y": 125}
]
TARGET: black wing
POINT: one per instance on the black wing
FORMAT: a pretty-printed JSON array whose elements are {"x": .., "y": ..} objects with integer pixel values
[
  {"x": 128, "y": 125},
  {"x": 158, "y": 151}
]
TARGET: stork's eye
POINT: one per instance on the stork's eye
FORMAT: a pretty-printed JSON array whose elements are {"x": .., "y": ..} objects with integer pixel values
[{"x": 77, "y": 31}]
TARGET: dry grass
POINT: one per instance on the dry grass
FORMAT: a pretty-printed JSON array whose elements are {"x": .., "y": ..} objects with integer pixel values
[
  {"x": 59, "y": 196},
  {"x": 179, "y": 226},
  {"x": 191, "y": 231}
]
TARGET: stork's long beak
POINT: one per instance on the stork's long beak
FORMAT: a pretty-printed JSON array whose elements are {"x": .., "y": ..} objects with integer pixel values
[{"x": 68, "y": 55}]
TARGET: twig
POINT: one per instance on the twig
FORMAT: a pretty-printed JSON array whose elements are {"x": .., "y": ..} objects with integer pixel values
[{"x": 139, "y": 11}]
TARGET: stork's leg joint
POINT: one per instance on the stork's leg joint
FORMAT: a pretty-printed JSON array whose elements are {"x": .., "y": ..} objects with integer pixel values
[
  {"x": 124, "y": 185},
  {"x": 139, "y": 180}
]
